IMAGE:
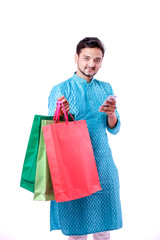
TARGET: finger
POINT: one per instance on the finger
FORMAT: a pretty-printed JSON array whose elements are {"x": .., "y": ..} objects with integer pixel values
[
  {"x": 60, "y": 98},
  {"x": 111, "y": 101},
  {"x": 65, "y": 102},
  {"x": 66, "y": 109},
  {"x": 107, "y": 112},
  {"x": 105, "y": 105},
  {"x": 109, "y": 106},
  {"x": 113, "y": 107},
  {"x": 65, "y": 106},
  {"x": 107, "y": 109}
]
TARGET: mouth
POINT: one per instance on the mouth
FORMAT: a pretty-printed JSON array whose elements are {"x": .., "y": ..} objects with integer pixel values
[{"x": 90, "y": 69}]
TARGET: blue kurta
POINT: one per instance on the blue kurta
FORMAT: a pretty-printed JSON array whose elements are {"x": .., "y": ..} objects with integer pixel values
[{"x": 102, "y": 210}]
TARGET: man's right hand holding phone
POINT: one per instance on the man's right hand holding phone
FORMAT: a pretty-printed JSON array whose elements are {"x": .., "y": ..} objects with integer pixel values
[{"x": 109, "y": 107}]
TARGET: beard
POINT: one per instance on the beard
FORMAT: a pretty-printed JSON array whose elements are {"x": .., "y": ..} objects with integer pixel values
[{"x": 85, "y": 74}]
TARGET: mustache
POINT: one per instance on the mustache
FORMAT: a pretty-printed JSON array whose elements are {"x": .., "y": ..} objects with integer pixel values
[{"x": 90, "y": 68}]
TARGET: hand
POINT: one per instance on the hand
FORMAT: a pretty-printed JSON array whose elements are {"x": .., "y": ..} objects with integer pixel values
[
  {"x": 109, "y": 107},
  {"x": 65, "y": 103}
]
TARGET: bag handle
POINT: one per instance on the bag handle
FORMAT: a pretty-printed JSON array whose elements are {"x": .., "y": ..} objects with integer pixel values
[{"x": 57, "y": 112}]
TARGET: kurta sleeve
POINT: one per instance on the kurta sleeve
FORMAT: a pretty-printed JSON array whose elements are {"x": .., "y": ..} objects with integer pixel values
[
  {"x": 52, "y": 100},
  {"x": 116, "y": 129}
]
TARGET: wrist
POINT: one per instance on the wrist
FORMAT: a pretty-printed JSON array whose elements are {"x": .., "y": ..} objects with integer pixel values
[
  {"x": 111, "y": 115},
  {"x": 112, "y": 120}
]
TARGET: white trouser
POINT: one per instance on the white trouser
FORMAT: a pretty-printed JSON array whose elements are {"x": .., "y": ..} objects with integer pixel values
[{"x": 96, "y": 236}]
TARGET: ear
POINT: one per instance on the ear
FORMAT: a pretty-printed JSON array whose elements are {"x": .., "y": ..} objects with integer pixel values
[{"x": 76, "y": 58}]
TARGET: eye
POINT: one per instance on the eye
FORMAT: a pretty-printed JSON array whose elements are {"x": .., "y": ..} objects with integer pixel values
[
  {"x": 86, "y": 58},
  {"x": 97, "y": 60}
]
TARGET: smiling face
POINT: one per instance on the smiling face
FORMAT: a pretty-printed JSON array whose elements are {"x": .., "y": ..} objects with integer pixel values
[{"x": 88, "y": 62}]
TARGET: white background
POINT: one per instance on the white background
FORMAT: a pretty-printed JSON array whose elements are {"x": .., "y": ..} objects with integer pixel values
[{"x": 37, "y": 46}]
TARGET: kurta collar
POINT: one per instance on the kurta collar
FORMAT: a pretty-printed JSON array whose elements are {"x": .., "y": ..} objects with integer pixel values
[{"x": 82, "y": 80}]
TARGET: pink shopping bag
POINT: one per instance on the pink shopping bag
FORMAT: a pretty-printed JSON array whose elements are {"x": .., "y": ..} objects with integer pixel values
[{"x": 71, "y": 159}]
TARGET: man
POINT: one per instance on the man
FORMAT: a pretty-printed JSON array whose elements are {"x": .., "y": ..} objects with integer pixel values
[{"x": 84, "y": 96}]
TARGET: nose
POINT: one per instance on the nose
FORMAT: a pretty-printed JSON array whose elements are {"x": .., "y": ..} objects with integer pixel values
[{"x": 91, "y": 63}]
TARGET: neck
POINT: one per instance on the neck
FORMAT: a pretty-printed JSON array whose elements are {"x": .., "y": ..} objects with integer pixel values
[{"x": 87, "y": 78}]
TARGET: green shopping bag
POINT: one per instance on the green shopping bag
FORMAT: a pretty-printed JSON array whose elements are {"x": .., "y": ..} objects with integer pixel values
[
  {"x": 30, "y": 161},
  {"x": 43, "y": 190}
]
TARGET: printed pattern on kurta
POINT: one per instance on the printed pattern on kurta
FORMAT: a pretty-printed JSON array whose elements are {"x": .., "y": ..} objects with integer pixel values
[{"x": 102, "y": 210}]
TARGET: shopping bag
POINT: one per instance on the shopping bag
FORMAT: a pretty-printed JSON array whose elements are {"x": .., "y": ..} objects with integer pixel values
[
  {"x": 71, "y": 160},
  {"x": 43, "y": 190},
  {"x": 30, "y": 160}
]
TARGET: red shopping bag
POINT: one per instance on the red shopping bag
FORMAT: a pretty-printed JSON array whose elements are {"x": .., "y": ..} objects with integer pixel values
[{"x": 71, "y": 160}]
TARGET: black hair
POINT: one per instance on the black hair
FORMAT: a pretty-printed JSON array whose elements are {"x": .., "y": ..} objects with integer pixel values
[{"x": 90, "y": 42}]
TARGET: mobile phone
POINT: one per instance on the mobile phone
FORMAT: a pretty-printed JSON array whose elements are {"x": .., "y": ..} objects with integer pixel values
[{"x": 109, "y": 98}]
